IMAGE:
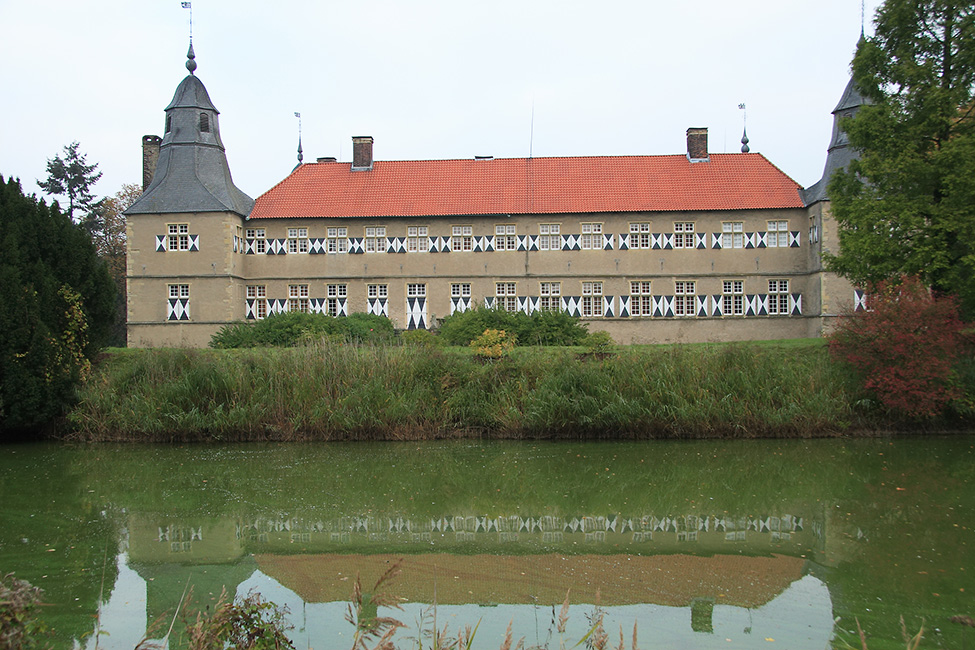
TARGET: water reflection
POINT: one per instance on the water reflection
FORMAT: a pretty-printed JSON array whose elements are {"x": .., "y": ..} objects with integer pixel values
[{"x": 743, "y": 544}]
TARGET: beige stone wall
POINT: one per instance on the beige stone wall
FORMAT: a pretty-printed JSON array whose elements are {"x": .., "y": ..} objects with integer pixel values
[{"x": 217, "y": 276}]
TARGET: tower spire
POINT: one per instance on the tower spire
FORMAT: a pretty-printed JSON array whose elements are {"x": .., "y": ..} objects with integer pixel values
[
  {"x": 744, "y": 128},
  {"x": 301, "y": 156}
]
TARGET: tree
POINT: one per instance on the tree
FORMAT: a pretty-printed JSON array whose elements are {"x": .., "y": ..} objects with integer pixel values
[
  {"x": 72, "y": 177},
  {"x": 906, "y": 206},
  {"x": 105, "y": 224},
  {"x": 904, "y": 348},
  {"x": 57, "y": 311}
]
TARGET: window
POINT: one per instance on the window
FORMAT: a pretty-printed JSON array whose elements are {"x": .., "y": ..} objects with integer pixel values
[
  {"x": 416, "y": 291},
  {"x": 778, "y": 234},
  {"x": 592, "y": 299},
  {"x": 375, "y": 241},
  {"x": 505, "y": 291},
  {"x": 639, "y": 235},
  {"x": 416, "y": 239},
  {"x": 548, "y": 237},
  {"x": 335, "y": 295},
  {"x": 178, "y": 307},
  {"x": 337, "y": 240},
  {"x": 504, "y": 238},
  {"x": 179, "y": 237},
  {"x": 684, "y": 291},
  {"x": 298, "y": 298},
  {"x": 591, "y": 236},
  {"x": 732, "y": 235},
  {"x": 378, "y": 291},
  {"x": 778, "y": 299},
  {"x": 734, "y": 299},
  {"x": 550, "y": 296},
  {"x": 258, "y": 293},
  {"x": 463, "y": 239},
  {"x": 460, "y": 290},
  {"x": 259, "y": 237},
  {"x": 297, "y": 240},
  {"x": 683, "y": 234},
  {"x": 204, "y": 123},
  {"x": 641, "y": 304}
]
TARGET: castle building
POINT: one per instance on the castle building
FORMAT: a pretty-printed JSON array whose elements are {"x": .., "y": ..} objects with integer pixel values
[{"x": 690, "y": 247}]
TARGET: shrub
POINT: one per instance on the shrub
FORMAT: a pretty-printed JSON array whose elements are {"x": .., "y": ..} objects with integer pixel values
[
  {"x": 540, "y": 328},
  {"x": 493, "y": 344},
  {"x": 424, "y": 339},
  {"x": 598, "y": 343},
  {"x": 904, "y": 348},
  {"x": 19, "y": 603},
  {"x": 291, "y": 328}
]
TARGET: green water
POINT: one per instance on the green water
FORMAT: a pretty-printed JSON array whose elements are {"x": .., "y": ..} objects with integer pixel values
[{"x": 740, "y": 544}]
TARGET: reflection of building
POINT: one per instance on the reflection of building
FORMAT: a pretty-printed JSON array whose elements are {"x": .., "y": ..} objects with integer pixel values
[
  {"x": 694, "y": 246},
  {"x": 673, "y": 580}
]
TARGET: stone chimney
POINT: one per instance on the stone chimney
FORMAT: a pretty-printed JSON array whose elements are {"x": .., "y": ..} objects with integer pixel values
[
  {"x": 150, "y": 156},
  {"x": 697, "y": 144},
  {"x": 361, "y": 153}
]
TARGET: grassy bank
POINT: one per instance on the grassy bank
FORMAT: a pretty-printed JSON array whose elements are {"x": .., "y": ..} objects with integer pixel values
[{"x": 339, "y": 392}]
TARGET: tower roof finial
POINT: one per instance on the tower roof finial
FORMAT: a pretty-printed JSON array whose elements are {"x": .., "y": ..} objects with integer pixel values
[
  {"x": 191, "y": 59},
  {"x": 744, "y": 128}
]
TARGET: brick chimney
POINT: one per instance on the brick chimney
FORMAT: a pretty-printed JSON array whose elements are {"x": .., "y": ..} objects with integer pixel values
[
  {"x": 361, "y": 153},
  {"x": 697, "y": 144},
  {"x": 150, "y": 156}
]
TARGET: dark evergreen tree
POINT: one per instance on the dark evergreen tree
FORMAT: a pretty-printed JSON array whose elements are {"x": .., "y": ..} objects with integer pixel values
[
  {"x": 72, "y": 177},
  {"x": 907, "y": 205},
  {"x": 57, "y": 311}
]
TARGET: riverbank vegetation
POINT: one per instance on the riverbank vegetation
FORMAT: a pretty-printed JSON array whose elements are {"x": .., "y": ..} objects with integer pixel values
[{"x": 325, "y": 391}]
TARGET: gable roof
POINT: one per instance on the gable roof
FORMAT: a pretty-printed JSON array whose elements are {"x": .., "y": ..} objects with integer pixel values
[{"x": 530, "y": 186}]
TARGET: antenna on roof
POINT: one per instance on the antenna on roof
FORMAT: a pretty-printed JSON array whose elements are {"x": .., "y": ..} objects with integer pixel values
[
  {"x": 744, "y": 128},
  {"x": 531, "y": 131}
]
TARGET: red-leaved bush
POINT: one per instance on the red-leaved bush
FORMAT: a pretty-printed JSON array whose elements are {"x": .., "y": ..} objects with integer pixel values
[{"x": 904, "y": 347}]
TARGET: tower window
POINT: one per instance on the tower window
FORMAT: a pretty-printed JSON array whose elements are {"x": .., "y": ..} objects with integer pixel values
[
  {"x": 204, "y": 123},
  {"x": 169, "y": 123}
]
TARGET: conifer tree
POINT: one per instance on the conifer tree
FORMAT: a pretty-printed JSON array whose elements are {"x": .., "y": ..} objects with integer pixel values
[
  {"x": 57, "y": 310},
  {"x": 72, "y": 177},
  {"x": 907, "y": 205}
]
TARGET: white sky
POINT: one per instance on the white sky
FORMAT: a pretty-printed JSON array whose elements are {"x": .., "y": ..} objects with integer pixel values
[{"x": 428, "y": 79}]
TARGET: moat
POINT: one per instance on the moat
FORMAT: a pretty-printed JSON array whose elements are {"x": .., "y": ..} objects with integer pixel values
[{"x": 737, "y": 544}]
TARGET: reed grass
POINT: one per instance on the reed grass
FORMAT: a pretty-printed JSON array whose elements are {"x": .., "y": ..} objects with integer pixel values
[{"x": 342, "y": 392}]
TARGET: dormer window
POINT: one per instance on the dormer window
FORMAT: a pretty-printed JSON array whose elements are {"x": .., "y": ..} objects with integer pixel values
[{"x": 204, "y": 123}]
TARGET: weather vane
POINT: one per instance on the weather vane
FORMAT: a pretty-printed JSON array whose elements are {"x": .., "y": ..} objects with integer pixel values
[
  {"x": 189, "y": 5},
  {"x": 744, "y": 128},
  {"x": 301, "y": 156}
]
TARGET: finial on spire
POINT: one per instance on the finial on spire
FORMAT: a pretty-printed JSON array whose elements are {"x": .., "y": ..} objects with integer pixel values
[
  {"x": 301, "y": 156},
  {"x": 744, "y": 128},
  {"x": 191, "y": 59}
]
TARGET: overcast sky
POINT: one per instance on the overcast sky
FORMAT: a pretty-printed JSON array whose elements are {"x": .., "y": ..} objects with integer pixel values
[{"x": 428, "y": 79}]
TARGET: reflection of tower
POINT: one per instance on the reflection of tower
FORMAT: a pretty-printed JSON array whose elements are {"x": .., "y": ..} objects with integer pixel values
[{"x": 702, "y": 611}]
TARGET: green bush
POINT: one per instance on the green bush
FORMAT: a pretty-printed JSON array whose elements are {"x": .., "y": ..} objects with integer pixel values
[
  {"x": 493, "y": 344},
  {"x": 291, "y": 328},
  {"x": 540, "y": 328},
  {"x": 424, "y": 339}
]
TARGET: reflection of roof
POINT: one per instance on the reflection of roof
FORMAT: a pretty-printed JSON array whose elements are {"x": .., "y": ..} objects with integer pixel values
[
  {"x": 672, "y": 580},
  {"x": 530, "y": 186},
  {"x": 166, "y": 583}
]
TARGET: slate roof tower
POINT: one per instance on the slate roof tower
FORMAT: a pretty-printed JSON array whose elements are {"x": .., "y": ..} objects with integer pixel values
[{"x": 192, "y": 174}]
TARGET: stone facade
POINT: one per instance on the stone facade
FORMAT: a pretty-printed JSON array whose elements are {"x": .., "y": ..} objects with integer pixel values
[{"x": 730, "y": 268}]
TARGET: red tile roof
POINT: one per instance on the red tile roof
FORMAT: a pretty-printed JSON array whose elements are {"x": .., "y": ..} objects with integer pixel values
[{"x": 530, "y": 186}]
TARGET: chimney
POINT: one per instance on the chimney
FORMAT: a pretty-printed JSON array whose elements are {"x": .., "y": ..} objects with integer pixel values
[
  {"x": 361, "y": 152},
  {"x": 697, "y": 144},
  {"x": 150, "y": 156}
]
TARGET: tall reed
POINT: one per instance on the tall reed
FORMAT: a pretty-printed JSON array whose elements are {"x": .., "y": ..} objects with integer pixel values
[{"x": 340, "y": 392}]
